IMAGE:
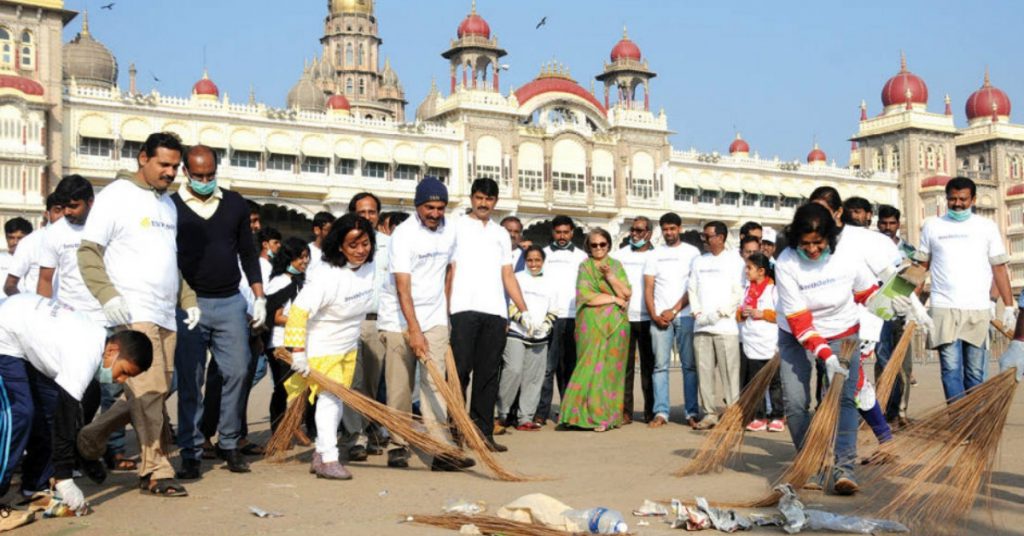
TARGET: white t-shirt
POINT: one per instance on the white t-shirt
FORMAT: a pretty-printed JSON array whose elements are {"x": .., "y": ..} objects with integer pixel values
[
  {"x": 139, "y": 232},
  {"x": 878, "y": 251},
  {"x": 961, "y": 256},
  {"x": 265, "y": 268},
  {"x": 25, "y": 262},
  {"x": 633, "y": 262},
  {"x": 337, "y": 303},
  {"x": 60, "y": 343},
  {"x": 5, "y": 264},
  {"x": 59, "y": 250},
  {"x": 275, "y": 284},
  {"x": 670, "y": 266},
  {"x": 316, "y": 257},
  {"x": 539, "y": 295},
  {"x": 563, "y": 267},
  {"x": 760, "y": 338},
  {"x": 825, "y": 288},
  {"x": 482, "y": 250},
  {"x": 425, "y": 256},
  {"x": 716, "y": 285},
  {"x": 381, "y": 259}
]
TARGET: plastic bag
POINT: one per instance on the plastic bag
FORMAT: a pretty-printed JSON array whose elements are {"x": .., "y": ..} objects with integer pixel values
[{"x": 463, "y": 506}]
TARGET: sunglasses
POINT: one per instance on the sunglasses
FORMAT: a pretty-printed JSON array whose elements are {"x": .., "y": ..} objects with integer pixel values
[
  {"x": 597, "y": 245},
  {"x": 637, "y": 230}
]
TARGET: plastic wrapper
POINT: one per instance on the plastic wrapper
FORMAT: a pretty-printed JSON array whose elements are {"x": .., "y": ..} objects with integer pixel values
[
  {"x": 703, "y": 516},
  {"x": 259, "y": 512},
  {"x": 650, "y": 509},
  {"x": 797, "y": 518},
  {"x": 463, "y": 506}
]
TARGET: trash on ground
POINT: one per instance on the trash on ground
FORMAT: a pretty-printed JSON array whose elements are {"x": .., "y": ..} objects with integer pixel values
[
  {"x": 796, "y": 518},
  {"x": 703, "y": 516},
  {"x": 259, "y": 512},
  {"x": 536, "y": 508},
  {"x": 463, "y": 506},
  {"x": 382, "y": 493},
  {"x": 643, "y": 523},
  {"x": 469, "y": 529},
  {"x": 650, "y": 508},
  {"x": 598, "y": 520}
]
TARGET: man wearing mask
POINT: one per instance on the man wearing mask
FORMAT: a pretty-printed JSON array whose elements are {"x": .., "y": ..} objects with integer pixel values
[
  {"x": 966, "y": 256},
  {"x": 214, "y": 234},
  {"x": 270, "y": 241},
  {"x": 633, "y": 257}
]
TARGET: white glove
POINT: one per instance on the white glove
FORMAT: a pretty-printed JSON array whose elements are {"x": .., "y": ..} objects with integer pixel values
[
  {"x": 833, "y": 367},
  {"x": 117, "y": 312},
  {"x": 259, "y": 312},
  {"x": 912, "y": 308},
  {"x": 1009, "y": 318},
  {"x": 70, "y": 494},
  {"x": 1013, "y": 357},
  {"x": 867, "y": 348},
  {"x": 530, "y": 323},
  {"x": 192, "y": 315},
  {"x": 300, "y": 363}
]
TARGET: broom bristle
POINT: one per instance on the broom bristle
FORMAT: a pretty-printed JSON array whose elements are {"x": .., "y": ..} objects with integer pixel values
[
  {"x": 887, "y": 381},
  {"x": 464, "y": 424},
  {"x": 945, "y": 457},
  {"x": 287, "y": 427},
  {"x": 726, "y": 438},
  {"x": 487, "y": 524},
  {"x": 401, "y": 423}
]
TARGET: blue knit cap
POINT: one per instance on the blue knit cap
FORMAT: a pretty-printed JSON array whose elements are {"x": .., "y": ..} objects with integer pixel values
[{"x": 430, "y": 189}]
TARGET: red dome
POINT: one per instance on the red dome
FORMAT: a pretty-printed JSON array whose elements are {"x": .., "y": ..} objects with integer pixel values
[
  {"x": 935, "y": 181},
  {"x": 625, "y": 49},
  {"x": 474, "y": 24},
  {"x": 540, "y": 86},
  {"x": 24, "y": 85},
  {"x": 338, "y": 102},
  {"x": 816, "y": 155},
  {"x": 1016, "y": 189},
  {"x": 205, "y": 87},
  {"x": 895, "y": 89},
  {"x": 981, "y": 102},
  {"x": 739, "y": 145}
]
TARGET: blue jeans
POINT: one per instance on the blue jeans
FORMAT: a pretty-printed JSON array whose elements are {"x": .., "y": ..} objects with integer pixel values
[
  {"x": 680, "y": 333},
  {"x": 963, "y": 367},
  {"x": 795, "y": 373},
  {"x": 224, "y": 330}
]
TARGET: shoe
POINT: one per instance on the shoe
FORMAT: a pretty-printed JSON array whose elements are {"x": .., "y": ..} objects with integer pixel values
[
  {"x": 757, "y": 425},
  {"x": 814, "y": 483},
  {"x": 707, "y": 423},
  {"x": 358, "y": 453},
  {"x": 658, "y": 422},
  {"x": 11, "y": 519},
  {"x": 209, "y": 451},
  {"x": 902, "y": 421},
  {"x": 374, "y": 450},
  {"x": 529, "y": 426},
  {"x": 235, "y": 460},
  {"x": 450, "y": 464},
  {"x": 845, "y": 484},
  {"x": 495, "y": 447},
  {"x": 499, "y": 427},
  {"x": 331, "y": 471},
  {"x": 626, "y": 419},
  {"x": 777, "y": 425},
  {"x": 316, "y": 461},
  {"x": 692, "y": 422},
  {"x": 190, "y": 469},
  {"x": 399, "y": 457},
  {"x": 913, "y": 380},
  {"x": 540, "y": 421}
]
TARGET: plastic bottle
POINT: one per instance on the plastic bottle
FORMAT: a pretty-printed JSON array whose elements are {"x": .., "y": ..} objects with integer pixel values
[{"x": 598, "y": 520}]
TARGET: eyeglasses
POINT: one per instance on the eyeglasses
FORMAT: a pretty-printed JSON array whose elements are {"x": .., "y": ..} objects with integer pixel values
[
  {"x": 637, "y": 230},
  {"x": 706, "y": 237},
  {"x": 598, "y": 245}
]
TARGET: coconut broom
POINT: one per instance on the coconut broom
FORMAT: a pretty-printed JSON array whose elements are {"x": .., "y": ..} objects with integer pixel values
[
  {"x": 287, "y": 428},
  {"x": 726, "y": 438},
  {"x": 487, "y": 524},
  {"x": 887, "y": 381},
  {"x": 398, "y": 422}
]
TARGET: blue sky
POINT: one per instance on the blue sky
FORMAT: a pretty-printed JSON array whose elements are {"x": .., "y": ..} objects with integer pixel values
[{"x": 782, "y": 73}]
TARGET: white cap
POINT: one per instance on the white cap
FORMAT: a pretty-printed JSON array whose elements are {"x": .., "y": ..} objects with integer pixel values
[{"x": 768, "y": 235}]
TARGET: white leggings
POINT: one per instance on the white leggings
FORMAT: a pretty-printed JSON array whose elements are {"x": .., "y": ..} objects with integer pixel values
[{"x": 328, "y": 416}]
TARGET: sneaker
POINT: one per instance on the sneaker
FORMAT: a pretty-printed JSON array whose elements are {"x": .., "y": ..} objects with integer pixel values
[
  {"x": 757, "y": 425},
  {"x": 845, "y": 483},
  {"x": 707, "y": 423},
  {"x": 399, "y": 457},
  {"x": 358, "y": 453},
  {"x": 814, "y": 483},
  {"x": 11, "y": 519},
  {"x": 441, "y": 463},
  {"x": 777, "y": 425},
  {"x": 332, "y": 471},
  {"x": 529, "y": 426},
  {"x": 499, "y": 427}
]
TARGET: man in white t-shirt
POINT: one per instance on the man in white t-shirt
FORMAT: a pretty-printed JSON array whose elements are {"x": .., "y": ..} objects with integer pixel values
[
  {"x": 716, "y": 290},
  {"x": 481, "y": 278},
  {"x": 666, "y": 278},
  {"x": 15, "y": 229},
  {"x": 966, "y": 256},
  {"x": 49, "y": 354},
  {"x": 633, "y": 257},
  {"x": 269, "y": 243},
  {"x": 321, "y": 226},
  {"x": 414, "y": 316},
  {"x": 23, "y": 273},
  {"x": 128, "y": 260},
  {"x": 561, "y": 267}
]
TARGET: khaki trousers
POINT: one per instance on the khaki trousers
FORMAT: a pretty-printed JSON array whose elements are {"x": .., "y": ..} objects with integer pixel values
[
  {"x": 400, "y": 374},
  {"x": 721, "y": 352},
  {"x": 144, "y": 406}
]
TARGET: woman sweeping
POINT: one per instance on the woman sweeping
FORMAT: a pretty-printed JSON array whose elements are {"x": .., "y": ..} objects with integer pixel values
[
  {"x": 818, "y": 296},
  {"x": 322, "y": 332},
  {"x": 593, "y": 398}
]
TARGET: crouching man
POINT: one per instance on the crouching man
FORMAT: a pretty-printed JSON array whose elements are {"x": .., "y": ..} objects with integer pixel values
[{"x": 48, "y": 356}]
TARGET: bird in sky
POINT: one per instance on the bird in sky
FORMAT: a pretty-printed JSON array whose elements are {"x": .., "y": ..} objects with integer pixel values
[
  {"x": 109, "y": 6},
  {"x": 155, "y": 79},
  {"x": 542, "y": 22}
]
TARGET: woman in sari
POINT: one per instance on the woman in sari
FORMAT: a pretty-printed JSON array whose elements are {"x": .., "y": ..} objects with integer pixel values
[{"x": 593, "y": 398}]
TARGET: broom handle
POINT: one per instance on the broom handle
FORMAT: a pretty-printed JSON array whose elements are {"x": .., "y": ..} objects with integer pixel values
[{"x": 1002, "y": 329}]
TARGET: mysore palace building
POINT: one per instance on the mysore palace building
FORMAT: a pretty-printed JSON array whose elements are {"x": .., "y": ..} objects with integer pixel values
[{"x": 599, "y": 155}]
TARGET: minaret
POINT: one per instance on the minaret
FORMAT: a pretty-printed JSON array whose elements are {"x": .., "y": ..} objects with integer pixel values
[
  {"x": 132, "y": 73},
  {"x": 627, "y": 72}
]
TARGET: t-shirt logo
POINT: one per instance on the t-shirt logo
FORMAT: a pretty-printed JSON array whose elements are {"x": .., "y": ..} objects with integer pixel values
[{"x": 148, "y": 223}]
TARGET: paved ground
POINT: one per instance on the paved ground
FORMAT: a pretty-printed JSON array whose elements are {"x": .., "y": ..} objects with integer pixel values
[{"x": 618, "y": 469}]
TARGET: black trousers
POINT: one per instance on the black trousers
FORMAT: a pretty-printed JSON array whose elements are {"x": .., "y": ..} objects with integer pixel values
[
  {"x": 478, "y": 340},
  {"x": 640, "y": 341},
  {"x": 561, "y": 363},
  {"x": 748, "y": 369}
]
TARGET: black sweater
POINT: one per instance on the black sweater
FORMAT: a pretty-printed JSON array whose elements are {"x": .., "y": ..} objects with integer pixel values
[{"x": 209, "y": 250}]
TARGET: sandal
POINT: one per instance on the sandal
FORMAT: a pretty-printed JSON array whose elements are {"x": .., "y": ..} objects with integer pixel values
[
  {"x": 252, "y": 449},
  {"x": 120, "y": 462},
  {"x": 164, "y": 487}
]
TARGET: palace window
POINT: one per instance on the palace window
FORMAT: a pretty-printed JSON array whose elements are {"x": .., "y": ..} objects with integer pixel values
[
  {"x": 749, "y": 200},
  {"x": 281, "y": 162},
  {"x": 6, "y": 49},
  {"x": 1015, "y": 215},
  {"x": 894, "y": 159},
  {"x": 569, "y": 183},
  {"x": 245, "y": 159},
  {"x": 1016, "y": 245},
  {"x": 362, "y": 59},
  {"x": 1015, "y": 168},
  {"x": 315, "y": 164},
  {"x": 602, "y": 186},
  {"x": 345, "y": 166},
  {"x": 130, "y": 150},
  {"x": 407, "y": 172},
  {"x": 531, "y": 180},
  {"x": 1017, "y": 273},
  {"x": 684, "y": 194},
  {"x": 490, "y": 172},
  {"x": 769, "y": 201},
  {"x": 731, "y": 198},
  {"x": 440, "y": 174},
  {"x": 879, "y": 161},
  {"x": 375, "y": 170},
  {"x": 642, "y": 188},
  {"x": 348, "y": 86},
  {"x": 790, "y": 202},
  {"x": 930, "y": 158},
  {"x": 95, "y": 147},
  {"x": 709, "y": 196},
  {"x": 348, "y": 55},
  {"x": 362, "y": 88},
  {"x": 28, "y": 53}
]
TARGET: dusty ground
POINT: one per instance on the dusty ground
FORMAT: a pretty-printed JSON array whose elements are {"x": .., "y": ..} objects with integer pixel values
[{"x": 618, "y": 469}]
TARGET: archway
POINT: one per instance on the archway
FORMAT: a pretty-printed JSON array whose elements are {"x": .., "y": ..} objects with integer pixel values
[
  {"x": 288, "y": 221},
  {"x": 540, "y": 234}
]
